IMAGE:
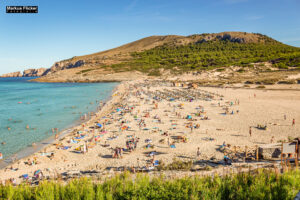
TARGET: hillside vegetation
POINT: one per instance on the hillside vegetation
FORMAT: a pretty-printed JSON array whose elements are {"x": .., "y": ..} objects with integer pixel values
[
  {"x": 174, "y": 54},
  {"x": 205, "y": 55},
  {"x": 262, "y": 185}
]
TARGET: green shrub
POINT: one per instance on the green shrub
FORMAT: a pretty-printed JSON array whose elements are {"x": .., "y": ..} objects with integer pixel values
[
  {"x": 261, "y": 87},
  {"x": 211, "y": 55},
  {"x": 262, "y": 184},
  {"x": 281, "y": 66}
]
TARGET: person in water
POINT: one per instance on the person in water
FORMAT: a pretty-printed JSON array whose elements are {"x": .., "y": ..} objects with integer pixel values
[{"x": 1, "y": 156}]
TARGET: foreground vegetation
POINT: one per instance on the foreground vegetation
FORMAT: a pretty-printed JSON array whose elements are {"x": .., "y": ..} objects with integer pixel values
[
  {"x": 204, "y": 55},
  {"x": 259, "y": 185}
]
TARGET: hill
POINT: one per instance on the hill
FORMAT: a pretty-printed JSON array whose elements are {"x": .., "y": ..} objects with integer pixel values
[{"x": 175, "y": 54}]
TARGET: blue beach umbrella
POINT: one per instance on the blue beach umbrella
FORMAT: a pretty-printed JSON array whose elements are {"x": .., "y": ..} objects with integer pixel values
[{"x": 99, "y": 125}]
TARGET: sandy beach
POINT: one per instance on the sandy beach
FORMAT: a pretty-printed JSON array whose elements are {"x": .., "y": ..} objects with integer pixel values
[{"x": 161, "y": 123}]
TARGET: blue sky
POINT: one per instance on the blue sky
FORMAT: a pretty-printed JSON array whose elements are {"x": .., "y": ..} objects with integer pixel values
[{"x": 67, "y": 28}]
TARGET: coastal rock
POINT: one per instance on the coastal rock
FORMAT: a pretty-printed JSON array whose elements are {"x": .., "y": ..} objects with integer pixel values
[
  {"x": 13, "y": 74},
  {"x": 34, "y": 72},
  {"x": 26, "y": 73},
  {"x": 63, "y": 65}
]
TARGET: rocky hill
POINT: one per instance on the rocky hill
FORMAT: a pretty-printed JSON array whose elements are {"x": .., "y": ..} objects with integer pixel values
[
  {"x": 26, "y": 73},
  {"x": 173, "y": 54}
]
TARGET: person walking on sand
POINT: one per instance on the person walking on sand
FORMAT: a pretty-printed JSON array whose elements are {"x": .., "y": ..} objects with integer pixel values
[
  {"x": 284, "y": 116},
  {"x": 87, "y": 148},
  {"x": 198, "y": 152},
  {"x": 250, "y": 131},
  {"x": 293, "y": 123},
  {"x": 272, "y": 139}
]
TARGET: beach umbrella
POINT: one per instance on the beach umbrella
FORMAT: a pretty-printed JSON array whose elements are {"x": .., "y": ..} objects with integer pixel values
[{"x": 99, "y": 125}]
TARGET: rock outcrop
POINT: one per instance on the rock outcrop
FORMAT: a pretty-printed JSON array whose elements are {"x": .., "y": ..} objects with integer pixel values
[
  {"x": 12, "y": 74},
  {"x": 58, "y": 66},
  {"x": 26, "y": 73},
  {"x": 34, "y": 72}
]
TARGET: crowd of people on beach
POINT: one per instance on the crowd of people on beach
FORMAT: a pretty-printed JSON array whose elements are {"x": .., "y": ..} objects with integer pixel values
[{"x": 144, "y": 111}]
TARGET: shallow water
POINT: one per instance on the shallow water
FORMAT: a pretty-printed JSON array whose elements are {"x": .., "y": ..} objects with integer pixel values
[{"x": 43, "y": 106}]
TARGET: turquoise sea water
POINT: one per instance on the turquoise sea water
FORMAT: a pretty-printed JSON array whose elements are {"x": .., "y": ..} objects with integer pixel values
[{"x": 43, "y": 106}]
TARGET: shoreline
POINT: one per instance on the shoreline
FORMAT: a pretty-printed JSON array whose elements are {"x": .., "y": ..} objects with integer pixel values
[
  {"x": 43, "y": 144},
  {"x": 150, "y": 102}
]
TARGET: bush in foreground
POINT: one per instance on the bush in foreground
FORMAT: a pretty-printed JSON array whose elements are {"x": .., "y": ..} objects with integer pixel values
[{"x": 261, "y": 185}]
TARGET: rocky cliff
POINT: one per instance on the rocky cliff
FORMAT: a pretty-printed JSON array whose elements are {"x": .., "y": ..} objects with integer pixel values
[
  {"x": 26, "y": 73},
  {"x": 34, "y": 72},
  {"x": 62, "y": 65},
  {"x": 13, "y": 74}
]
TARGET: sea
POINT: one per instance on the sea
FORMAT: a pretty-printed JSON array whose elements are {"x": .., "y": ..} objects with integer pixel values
[{"x": 29, "y": 110}]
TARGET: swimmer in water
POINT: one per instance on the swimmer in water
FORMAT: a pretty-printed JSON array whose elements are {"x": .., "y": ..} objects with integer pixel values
[
  {"x": 3, "y": 143},
  {"x": 27, "y": 126},
  {"x": 8, "y": 128}
]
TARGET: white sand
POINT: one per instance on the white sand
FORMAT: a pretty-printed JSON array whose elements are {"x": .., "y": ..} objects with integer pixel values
[{"x": 267, "y": 108}]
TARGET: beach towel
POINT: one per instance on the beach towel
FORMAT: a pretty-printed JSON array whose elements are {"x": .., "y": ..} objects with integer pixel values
[
  {"x": 78, "y": 138},
  {"x": 25, "y": 176},
  {"x": 37, "y": 172},
  {"x": 173, "y": 146},
  {"x": 78, "y": 148},
  {"x": 73, "y": 141}
]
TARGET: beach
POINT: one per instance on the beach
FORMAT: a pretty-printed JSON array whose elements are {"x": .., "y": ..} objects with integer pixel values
[{"x": 154, "y": 122}]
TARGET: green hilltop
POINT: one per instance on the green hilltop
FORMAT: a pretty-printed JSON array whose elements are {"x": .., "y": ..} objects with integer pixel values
[
  {"x": 218, "y": 51},
  {"x": 173, "y": 54}
]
